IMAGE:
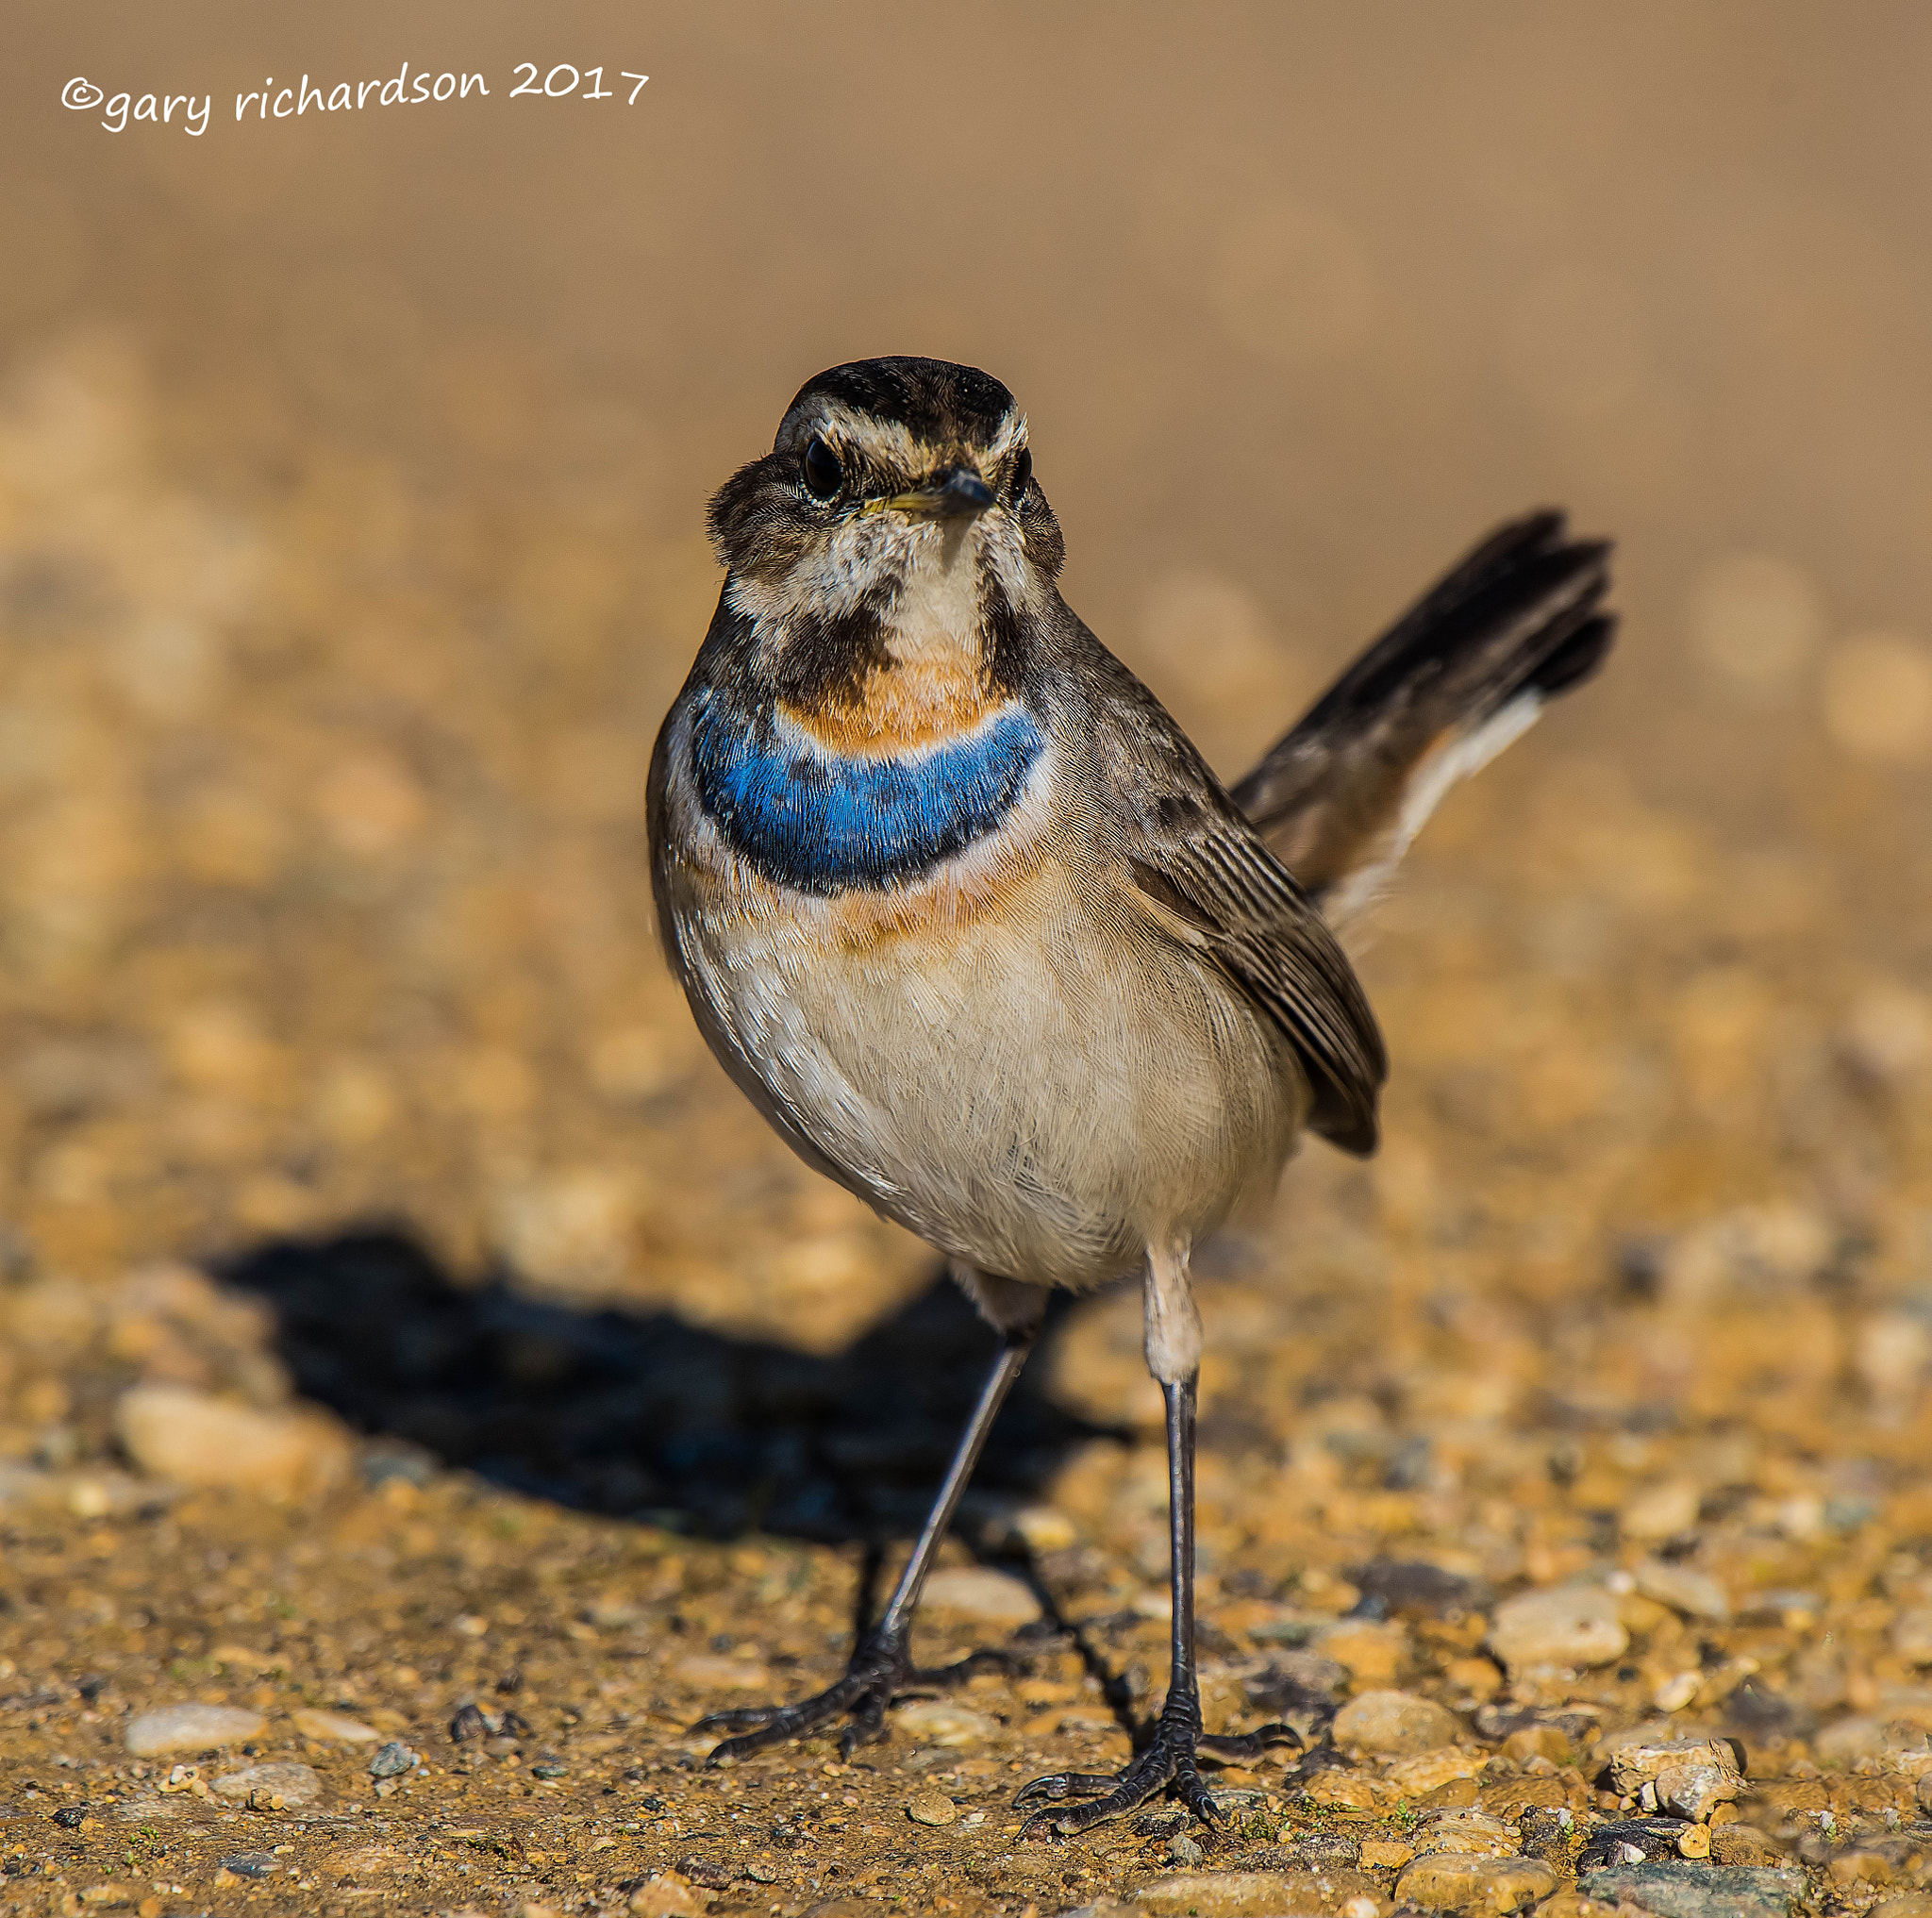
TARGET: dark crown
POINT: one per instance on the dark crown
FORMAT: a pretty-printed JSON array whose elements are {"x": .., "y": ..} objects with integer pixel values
[{"x": 934, "y": 400}]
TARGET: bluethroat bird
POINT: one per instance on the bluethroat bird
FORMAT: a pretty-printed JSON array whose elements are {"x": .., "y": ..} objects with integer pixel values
[{"x": 968, "y": 918}]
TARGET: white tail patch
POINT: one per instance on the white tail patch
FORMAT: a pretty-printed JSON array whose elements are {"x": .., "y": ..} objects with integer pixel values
[{"x": 1458, "y": 757}]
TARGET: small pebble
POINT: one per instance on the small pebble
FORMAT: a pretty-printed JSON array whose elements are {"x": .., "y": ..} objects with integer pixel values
[
  {"x": 469, "y": 1723},
  {"x": 1480, "y": 1887},
  {"x": 1744, "y": 1844},
  {"x": 1697, "y": 1790},
  {"x": 931, "y": 1808},
  {"x": 393, "y": 1761},
  {"x": 1691, "y": 1890},
  {"x": 333, "y": 1728},
  {"x": 1386, "y": 1854},
  {"x": 196, "y": 1438},
  {"x": 1311, "y": 1851},
  {"x": 1678, "y": 1691},
  {"x": 1041, "y": 1528},
  {"x": 979, "y": 1592},
  {"x": 1242, "y": 1895},
  {"x": 1339, "y": 1791},
  {"x": 1688, "y": 1777},
  {"x": 1428, "y": 1771},
  {"x": 1661, "y": 1512},
  {"x": 1574, "y": 1625},
  {"x": 191, "y": 1728},
  {"x": 292, "y": 1784},
  {"x": 1845, "y": 1740},
  {"x": 1634, "y": 1761},
  {"x": 1684, "y": 1589},
  {"x": 1473, "y": 1833},
  {"x": 1395, "y": 1723}
]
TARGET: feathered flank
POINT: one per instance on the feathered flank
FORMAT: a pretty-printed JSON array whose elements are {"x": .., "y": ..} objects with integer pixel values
[
  {"x": 1256, "y": 926},
  {"x": 1467, "y": 670},
  {"x": 1190, "y": 851}
]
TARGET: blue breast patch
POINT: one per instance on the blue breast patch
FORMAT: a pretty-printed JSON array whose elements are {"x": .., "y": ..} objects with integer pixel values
[{"x": 820, "y": 821}]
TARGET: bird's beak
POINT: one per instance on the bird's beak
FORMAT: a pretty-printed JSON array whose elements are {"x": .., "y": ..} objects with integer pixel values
[{"x": 956, "y": 493}]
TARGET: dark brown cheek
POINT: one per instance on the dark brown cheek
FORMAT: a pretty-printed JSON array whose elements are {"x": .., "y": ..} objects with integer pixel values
[
  {"x": 780, "y": 545},
  {"x": 757, "y": 521},
  {"x": 769, "y": 538},
  {"x": 1046, "y": 548},
  {"x": 1004, "y": 659},
  {"x": 826, "y": 659}
]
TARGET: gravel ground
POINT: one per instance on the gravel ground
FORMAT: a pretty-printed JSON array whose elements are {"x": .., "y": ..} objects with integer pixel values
[{"x": 409, "y": 1343}]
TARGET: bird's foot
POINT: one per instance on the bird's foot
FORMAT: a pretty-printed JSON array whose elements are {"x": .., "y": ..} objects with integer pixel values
[
  {"x": 1171, "y": 1761},
  {"x": 881, "y": 1672}
]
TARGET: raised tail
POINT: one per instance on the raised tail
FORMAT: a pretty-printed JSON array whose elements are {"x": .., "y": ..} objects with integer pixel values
[{"x": 1439, "y": 695}]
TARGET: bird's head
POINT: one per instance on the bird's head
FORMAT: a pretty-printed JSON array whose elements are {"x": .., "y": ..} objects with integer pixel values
[{"x": 898, "y": 501}]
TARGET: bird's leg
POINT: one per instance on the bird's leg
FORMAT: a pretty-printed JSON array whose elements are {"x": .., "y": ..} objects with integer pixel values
[
  {"x": 1169, "y": 1758},
  {"x": 881, "y": 1669}
]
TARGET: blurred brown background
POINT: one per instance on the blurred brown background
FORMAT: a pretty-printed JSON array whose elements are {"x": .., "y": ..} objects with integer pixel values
[{"x": 351, "y": 478}]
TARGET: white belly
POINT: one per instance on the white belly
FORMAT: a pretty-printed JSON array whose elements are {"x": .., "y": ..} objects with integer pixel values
[{"x": 1027, "y": 1087}]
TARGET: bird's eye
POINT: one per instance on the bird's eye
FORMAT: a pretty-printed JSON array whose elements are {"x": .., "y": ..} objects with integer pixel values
[
  {"x": 1022, "y": 476},
  {"x": 823, "y": 476}
]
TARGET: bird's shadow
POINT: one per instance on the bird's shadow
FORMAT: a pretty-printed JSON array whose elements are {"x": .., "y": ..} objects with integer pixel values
[{"x": 647, "y": 1415}]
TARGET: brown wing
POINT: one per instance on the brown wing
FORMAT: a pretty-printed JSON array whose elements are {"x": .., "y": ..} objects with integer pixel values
[
  {"x": 1188, "y": 850},
  {"x": 1253, "y": 921},
  {"x": 1520, "y": 620}
]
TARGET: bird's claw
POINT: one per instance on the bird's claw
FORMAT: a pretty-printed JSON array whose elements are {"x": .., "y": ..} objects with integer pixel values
[
  {"x": 1170, "y": 1761},
  {"x": 881, "y": 1672}
]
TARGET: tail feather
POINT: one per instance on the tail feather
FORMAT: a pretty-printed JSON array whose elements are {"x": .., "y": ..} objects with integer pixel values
[{"x": 1464, "y": 672}]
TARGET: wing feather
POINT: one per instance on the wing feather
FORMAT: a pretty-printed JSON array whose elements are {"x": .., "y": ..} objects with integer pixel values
[
  {"x": 1249, "y": 919},
  {"x": 1188, "y": 850}
]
